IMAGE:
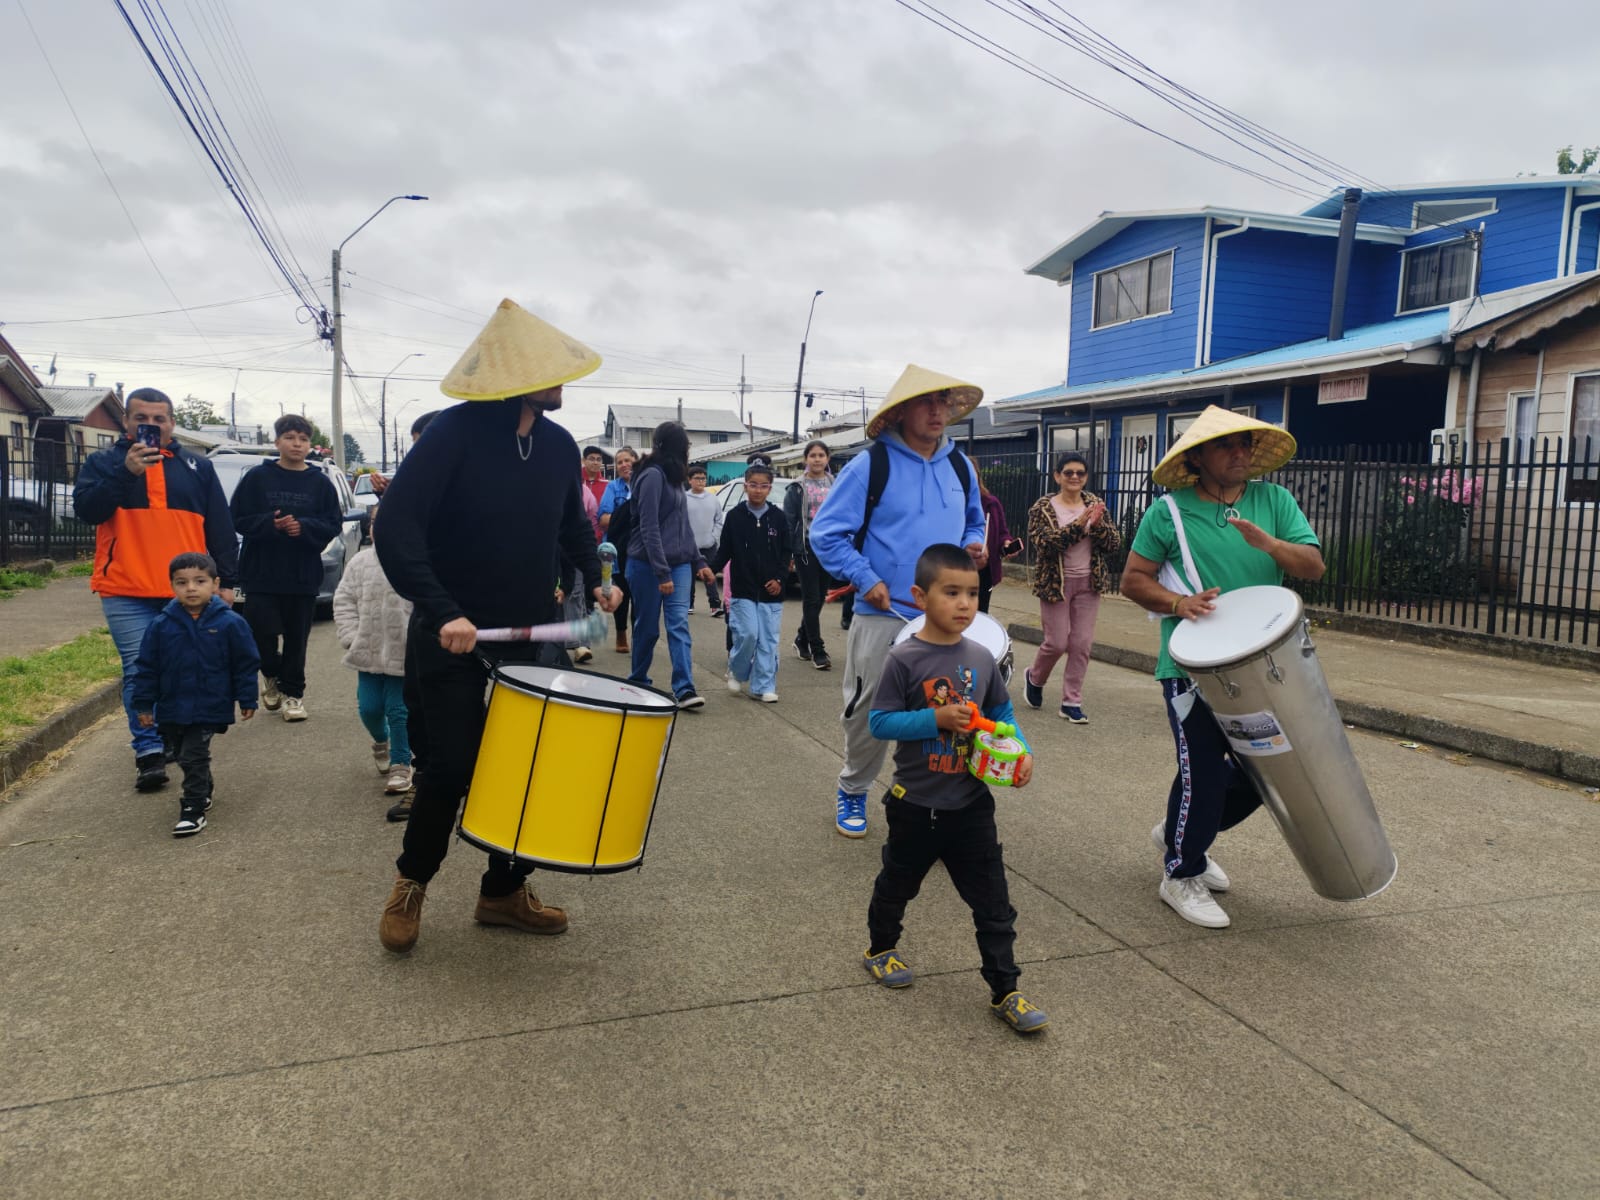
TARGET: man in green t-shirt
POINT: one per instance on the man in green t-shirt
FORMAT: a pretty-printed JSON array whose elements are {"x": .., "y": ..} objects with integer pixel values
[{"x": 1234, "y": 533}]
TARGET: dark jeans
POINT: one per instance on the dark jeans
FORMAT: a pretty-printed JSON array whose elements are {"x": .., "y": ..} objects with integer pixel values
[
  {"x": 620, "y": 582},
  {"x": 450, "y": 689},
  {"x": 966, "y": 841},
  {"x": 275, "y": 615},
  {"x": 190, "y": 747},
  {"x": 1209, "y": 793},
  {"x": 814, "y": 585}
]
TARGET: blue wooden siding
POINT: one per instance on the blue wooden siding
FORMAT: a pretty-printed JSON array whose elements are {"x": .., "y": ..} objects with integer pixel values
[
  {"x": 1521, "y": 242},
  {"x": 1150, "y": 344},
  {"x": 1374, "y": 285},
  {"x": 1273, "y": 289},
  {"x": 1588, "y": 239}
]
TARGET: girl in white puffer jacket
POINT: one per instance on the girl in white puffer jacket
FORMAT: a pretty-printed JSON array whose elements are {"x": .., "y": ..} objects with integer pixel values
[{"x": 372, "y": 619}]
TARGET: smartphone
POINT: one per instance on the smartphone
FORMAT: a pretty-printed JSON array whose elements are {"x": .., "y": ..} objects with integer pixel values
[{"x": 149, "y": 435}]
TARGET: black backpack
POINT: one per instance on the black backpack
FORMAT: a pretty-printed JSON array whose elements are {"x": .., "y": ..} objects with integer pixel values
[{"x": 878, "y": 480}]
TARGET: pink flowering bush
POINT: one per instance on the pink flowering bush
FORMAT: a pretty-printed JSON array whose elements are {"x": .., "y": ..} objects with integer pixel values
[{"x": 1421, "y": 543}]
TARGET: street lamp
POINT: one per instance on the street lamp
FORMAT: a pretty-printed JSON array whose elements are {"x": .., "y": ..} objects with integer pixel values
[
  {"x": 801, "y": 374},
  {"x": 338, "y": 332},
  {"x": 383, "y": 410}
]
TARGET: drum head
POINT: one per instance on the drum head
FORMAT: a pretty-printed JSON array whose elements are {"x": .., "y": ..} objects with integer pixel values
[
  {"x": 1245, "y": 622},
  {"x": 984, "y": 630},
  {"x": 581, "y": 687}
]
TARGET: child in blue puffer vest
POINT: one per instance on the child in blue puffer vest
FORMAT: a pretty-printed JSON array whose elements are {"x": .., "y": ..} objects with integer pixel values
[{"x": 198, "y": 659}]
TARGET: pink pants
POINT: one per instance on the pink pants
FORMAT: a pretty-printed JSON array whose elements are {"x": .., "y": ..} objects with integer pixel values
[{"x": 1068, "y": 629}]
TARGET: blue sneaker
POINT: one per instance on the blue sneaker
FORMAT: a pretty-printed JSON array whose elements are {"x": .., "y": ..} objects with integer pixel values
[
  {"x": 888, "y": 968},
  {"x": 1032, "y": 692},
  {"x": 852, "y": 818},
  {"x": 1019, "y": 1014},
  {"x": 1071, "y": 712}
]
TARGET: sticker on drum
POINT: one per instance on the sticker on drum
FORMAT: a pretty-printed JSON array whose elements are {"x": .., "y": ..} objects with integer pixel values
[
  {"x": 1257, "y": 734},
  {"x": 984, "y": 630}
]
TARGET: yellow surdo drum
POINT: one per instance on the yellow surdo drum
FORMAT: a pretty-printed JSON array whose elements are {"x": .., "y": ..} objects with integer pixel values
[{"x": 568, "y": 769}]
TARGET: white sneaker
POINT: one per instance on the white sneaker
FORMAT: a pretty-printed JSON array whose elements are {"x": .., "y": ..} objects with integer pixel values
[
  {"x": 294, "y": 708},
  {"x": 1192, "y": 901},
  {"x": 765, "y": 697},
  {"x": 733, "y": 684},
  {"x": 271, "y": 698},
  {"x": 380, "y": 756},
  {"x": 1213, "y": 876},
  {"x": 582, "y": 654},
  {"x": 399, "y": 780}
]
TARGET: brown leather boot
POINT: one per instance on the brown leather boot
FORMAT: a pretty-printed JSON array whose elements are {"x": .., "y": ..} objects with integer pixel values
[
  {"x": 521, "y": 910},
  {"x": 402, "y": 915},
  {"x": 622, "y": 643}
]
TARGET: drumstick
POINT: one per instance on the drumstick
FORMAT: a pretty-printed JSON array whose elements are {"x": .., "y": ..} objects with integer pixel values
[
  {"x": 837, "y": 592},
  {"x": 586, "y": 629}
]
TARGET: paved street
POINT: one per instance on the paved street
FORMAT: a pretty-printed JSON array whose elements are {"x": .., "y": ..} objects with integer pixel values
[{"x": 215, "y": 1017}]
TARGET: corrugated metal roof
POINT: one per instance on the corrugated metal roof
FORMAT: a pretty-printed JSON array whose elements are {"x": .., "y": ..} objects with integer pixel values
[
  {"x": 695, "y": 420},
  {"x": 1366, "y": 345},
  {"x": 75, "y": 403}
]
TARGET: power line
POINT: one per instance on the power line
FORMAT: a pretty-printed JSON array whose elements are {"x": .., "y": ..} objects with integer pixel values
[{"x": 950, "y": 25}]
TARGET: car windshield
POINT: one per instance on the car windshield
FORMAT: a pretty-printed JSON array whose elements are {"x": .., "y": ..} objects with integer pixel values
[
  {"x": 364, "y": 484},
  {"x": 231, "y": 469}
]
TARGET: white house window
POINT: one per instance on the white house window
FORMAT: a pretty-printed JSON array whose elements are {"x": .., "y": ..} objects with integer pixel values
[
  {"x": 718, "y": 438},
  {"x": 1583, "y": 478},
  {"x": 1439, "y": 274},
  {"x": 1133, "y": 290},
  {"x": 1522, "y": 412},
  {"x": 1430, "y": 214}
]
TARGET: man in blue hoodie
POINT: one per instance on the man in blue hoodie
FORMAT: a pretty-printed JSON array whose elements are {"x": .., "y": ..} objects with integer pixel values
[{"x": 930, "y": 494}]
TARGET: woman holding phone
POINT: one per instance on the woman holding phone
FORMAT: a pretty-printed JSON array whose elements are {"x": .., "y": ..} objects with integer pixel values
[{"x": 1072, "y": 540}]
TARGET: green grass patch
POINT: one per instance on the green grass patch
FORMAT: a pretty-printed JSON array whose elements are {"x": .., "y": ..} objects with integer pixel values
[
  {"x": 13, "y": 581},
  {"x": 37, "y": 685},
  {"x": 76, "y": 570}
]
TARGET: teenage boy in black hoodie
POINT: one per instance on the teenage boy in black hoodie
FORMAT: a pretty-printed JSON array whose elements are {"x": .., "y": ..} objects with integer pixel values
[
  {"x": 755, "y": 538},
  {"x": 286, "y": 512}
]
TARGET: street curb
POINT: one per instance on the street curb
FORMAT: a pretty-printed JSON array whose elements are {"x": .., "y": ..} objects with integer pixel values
[
  {"x": 56, "y": 731},
  {"x": 1530, "y": 756}
]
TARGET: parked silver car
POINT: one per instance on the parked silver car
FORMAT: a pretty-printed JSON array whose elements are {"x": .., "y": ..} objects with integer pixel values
[{"x": 232, "y": 463}]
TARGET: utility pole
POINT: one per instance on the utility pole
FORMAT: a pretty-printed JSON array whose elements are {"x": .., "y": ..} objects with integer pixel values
[
  {"x": 233, "y": 407},
  {"x": 801, "y": 374},
  {"x": 383, "y": 425},
  {"x": 744, "y": 390}
]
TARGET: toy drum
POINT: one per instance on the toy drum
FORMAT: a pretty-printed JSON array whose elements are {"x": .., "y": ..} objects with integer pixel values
[
  {"x": 1253, "y": 662},
  {"x": 568, "y": 770},
  {"x": 994, "y": 759},
  {"x": 984, "y": 630}
]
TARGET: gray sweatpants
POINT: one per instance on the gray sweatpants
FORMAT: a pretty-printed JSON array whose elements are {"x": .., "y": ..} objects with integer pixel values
[{"x": 871, "y": 634}]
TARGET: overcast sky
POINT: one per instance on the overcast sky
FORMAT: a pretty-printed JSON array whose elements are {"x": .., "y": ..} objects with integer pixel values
[{"x": 671, "y": 180}]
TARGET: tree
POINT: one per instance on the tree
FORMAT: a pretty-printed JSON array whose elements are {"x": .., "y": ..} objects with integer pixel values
[
  {"x": 192, "y": 412},
  {"x": 1567, "y": 165},
  {"x": 352, "y": 450}
]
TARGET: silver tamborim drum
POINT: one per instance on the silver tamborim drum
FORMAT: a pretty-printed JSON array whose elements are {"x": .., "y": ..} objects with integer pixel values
[{"x": 1254, "y": 664}]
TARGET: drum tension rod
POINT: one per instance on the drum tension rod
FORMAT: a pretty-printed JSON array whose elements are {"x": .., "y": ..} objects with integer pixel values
[
  {"x": 1272, "y": 668},
  {"x": 1307, "y": 646},
  {"x": 1228, "y": 685}
]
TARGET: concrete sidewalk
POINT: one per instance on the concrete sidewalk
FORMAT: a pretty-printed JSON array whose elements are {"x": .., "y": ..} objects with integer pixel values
[
  {"x": 214, "y": 1017},
  {"x": 1538, "y": 717}
]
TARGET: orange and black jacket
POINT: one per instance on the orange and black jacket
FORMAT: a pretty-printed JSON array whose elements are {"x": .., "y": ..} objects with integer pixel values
[{"x": 145, "y": 521}]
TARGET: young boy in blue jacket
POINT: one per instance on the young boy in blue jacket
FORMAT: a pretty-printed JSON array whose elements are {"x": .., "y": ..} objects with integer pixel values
[{"x": 197, "y": 660}]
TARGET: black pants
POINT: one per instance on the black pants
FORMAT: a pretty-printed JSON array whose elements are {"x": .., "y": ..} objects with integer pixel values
[
  {"x": 190, "y": 747},
  {"x": 985, "y": 590},
  {"x": 275, "y": 615},
  {"x": 713, "y": 589},
  {"x": 451, "y": 691},
  {"x": 1209, "y": 793},
  {"x": 621, "y": 615},
  {"x": 814, "y": 585},
  {"x": 966, "y": 841}
]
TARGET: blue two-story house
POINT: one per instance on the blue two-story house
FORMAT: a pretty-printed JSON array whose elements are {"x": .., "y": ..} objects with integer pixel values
[{"x": 1336, "y": 322}]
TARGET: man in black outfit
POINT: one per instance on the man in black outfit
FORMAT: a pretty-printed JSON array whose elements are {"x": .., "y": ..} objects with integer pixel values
[{"x": 483, "y": 469}]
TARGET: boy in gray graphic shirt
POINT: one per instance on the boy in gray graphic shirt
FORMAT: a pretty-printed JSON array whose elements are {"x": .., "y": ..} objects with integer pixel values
[{"x": 937, "y": 810}]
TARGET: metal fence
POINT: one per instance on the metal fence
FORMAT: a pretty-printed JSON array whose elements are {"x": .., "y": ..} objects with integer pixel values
[
  {"x": 36, "y": 520},
  {"x": 1504, "y": 541}
]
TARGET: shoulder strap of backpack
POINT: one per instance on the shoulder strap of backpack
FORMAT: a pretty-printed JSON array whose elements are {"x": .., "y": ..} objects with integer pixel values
[{"x": 877, "y": 481}]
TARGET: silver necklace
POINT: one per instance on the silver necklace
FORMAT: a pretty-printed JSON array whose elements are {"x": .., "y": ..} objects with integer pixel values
[{"x": 520, "y": 450}]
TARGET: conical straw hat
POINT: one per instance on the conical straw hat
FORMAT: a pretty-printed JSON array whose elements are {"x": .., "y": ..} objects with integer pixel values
[
  {"x": 1271, "y": 446},
  {"x": 517, "y": 353},
  {"x": 917, "y": 381}
]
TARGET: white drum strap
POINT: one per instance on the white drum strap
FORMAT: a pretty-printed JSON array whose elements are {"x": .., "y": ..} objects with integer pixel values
[{"x": 1188, "y": 583}]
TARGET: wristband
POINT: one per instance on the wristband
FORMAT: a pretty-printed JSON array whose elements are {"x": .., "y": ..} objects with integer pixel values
[{"x": 1175, "y": 603}]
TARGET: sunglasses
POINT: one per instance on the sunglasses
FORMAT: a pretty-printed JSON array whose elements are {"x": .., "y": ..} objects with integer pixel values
[{"x": 1075, "y": 473}]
